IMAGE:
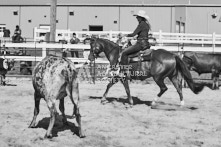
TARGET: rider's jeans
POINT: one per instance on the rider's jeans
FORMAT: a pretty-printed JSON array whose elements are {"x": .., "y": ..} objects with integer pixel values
[{"x": 130, "y": 50}]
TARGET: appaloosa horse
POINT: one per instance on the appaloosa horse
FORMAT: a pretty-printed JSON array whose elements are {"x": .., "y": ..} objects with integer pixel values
[
  {"x": 162, "y": 64},
  {"x": 53, "y": 79}
]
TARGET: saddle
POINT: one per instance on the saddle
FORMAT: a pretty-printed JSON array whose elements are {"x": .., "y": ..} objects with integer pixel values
[{"x": 141, "y": 56}]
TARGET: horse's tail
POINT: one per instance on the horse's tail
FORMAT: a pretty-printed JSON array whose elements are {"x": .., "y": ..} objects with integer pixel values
[{"x": 195, "y": 87}]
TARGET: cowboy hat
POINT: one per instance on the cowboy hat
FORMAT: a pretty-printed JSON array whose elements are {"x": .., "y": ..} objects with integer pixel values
[{"x": 142, "y": 13}]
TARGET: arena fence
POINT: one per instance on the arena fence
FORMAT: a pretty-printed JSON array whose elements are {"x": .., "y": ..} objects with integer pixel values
[{"x": 174, "y": 42}]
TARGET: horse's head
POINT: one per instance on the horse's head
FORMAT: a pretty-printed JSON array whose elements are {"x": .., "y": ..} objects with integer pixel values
[
  {"x": 188, "y": 61},
  {"x": 96, "y": 49}
]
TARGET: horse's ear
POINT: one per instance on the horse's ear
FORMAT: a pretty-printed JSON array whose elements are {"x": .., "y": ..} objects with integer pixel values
[{"x": 92, "y": 39}]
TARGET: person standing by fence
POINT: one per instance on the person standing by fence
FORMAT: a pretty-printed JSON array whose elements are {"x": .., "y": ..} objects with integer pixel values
[{"x": 74, "y": 40}]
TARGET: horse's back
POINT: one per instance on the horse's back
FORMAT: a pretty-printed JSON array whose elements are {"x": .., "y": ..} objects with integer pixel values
[
  {"x": 203, "y": 62},
  {"x": 162, "y": 51},
  {"x": 52, "y": 73},
  {"x": 162, "y": 55}
]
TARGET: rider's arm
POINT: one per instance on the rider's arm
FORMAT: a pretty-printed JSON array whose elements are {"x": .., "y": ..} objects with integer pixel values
[{"x": 137, "y": 30}]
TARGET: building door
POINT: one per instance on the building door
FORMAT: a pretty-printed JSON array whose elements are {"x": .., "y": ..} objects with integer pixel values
[
  {"x": 95, "y": 28},
  {"x": 180, "y": 27}
]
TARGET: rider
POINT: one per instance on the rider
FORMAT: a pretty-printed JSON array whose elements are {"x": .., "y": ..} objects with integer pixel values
[{"x": 142, "y": 32}]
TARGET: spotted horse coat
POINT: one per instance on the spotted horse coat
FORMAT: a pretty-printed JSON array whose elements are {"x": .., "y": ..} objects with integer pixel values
[{"x": 53, "y": 79}]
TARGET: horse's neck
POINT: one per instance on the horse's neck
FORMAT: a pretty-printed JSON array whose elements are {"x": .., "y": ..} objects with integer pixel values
[{"x": 112, "y": 56}]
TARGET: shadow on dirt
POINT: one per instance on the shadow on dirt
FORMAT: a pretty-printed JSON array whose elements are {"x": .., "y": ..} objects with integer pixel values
[
  {"x": 158, "y": 106},
  {"x": 9, "y": 85},
  {"x": 136, "y": 100},
  {"x": 172, "y": 107},
  {"x": 58, "y": 126}
]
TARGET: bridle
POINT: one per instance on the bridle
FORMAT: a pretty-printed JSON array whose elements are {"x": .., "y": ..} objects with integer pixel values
[{"x": 96, "y": 50}]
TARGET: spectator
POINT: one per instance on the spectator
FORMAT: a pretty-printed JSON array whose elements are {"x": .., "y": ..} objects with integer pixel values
[
  {"x": 121, "y": 41},
  {"x": 17, "y": 35},
  {"x": 87, "y": 40},
  {"x": 6, "y": 33},
  {"x": 74, "y": 40}
]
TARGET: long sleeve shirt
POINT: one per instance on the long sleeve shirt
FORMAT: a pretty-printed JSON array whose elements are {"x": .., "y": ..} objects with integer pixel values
[{"x": 142, "y": 31}]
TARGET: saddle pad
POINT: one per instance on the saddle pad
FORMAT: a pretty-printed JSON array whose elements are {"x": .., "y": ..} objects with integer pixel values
[{"x": 145, "y": 52}]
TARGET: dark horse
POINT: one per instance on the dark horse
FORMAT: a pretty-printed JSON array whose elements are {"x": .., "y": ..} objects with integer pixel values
[
  {"x": 204, "y": 63},
  {"x": 163, "y": 64}
]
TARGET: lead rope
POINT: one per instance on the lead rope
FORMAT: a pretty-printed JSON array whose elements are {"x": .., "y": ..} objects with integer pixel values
[{"x": 94, "y": 76}]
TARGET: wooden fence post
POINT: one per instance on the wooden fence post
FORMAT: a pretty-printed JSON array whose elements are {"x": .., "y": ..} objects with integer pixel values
[
  {"x": 53, "y": 25},
  {"x": 160, "y": 38},
  {"x": 214, "y": 41}
]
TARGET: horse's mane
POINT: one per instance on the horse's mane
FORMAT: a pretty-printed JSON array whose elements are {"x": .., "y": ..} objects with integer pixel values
[{"x": 110, "y": 42}]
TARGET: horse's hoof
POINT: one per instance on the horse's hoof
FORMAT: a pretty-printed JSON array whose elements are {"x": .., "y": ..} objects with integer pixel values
[
  {"x": 82, "y": 136},
  {"x": 153, "y": 106},
  {"x": 128, "y": 106},
  {"x": 104, "y": 102},
  {"x": 181, "y": 103},
  {"x": 48, "y": 136},
  {"x": 31, "y": 126},
  {"x": 153, "y": 103}
]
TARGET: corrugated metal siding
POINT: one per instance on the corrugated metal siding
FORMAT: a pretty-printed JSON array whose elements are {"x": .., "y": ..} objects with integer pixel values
[{"x": 111, "y": 2}]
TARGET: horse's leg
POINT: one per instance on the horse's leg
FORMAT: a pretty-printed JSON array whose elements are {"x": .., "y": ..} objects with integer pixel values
[
  {"x": 178, "y": 87},
  {"x": 217, "y": 82},
  {"x": 215, "y": 79},
  {"x": 2, "y": 81},
  {"x": 62, "y": 109},
  {"x": 110, "y": 84},
  {"x": 163, "y": 88},
  {"x": 74, "y": 96},
  {"x": 36, "y": 110},
  {"x": 126, "y": 86},
  {"x": 52, "y": 109}
]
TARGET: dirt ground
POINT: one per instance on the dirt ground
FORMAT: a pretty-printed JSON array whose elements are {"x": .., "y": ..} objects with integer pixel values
[{"x": 113, "y": 125}]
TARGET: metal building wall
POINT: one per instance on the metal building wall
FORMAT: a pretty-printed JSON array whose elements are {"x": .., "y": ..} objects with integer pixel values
[
  {"x": 85, "y": 16},
  {"x": 7, "y": 17},
  {"x": 160, "y": 18},
  {"x": 37, "y": 15},
  {"x": 200, "y": 21},
  {"x": 116, "y": 18}
]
